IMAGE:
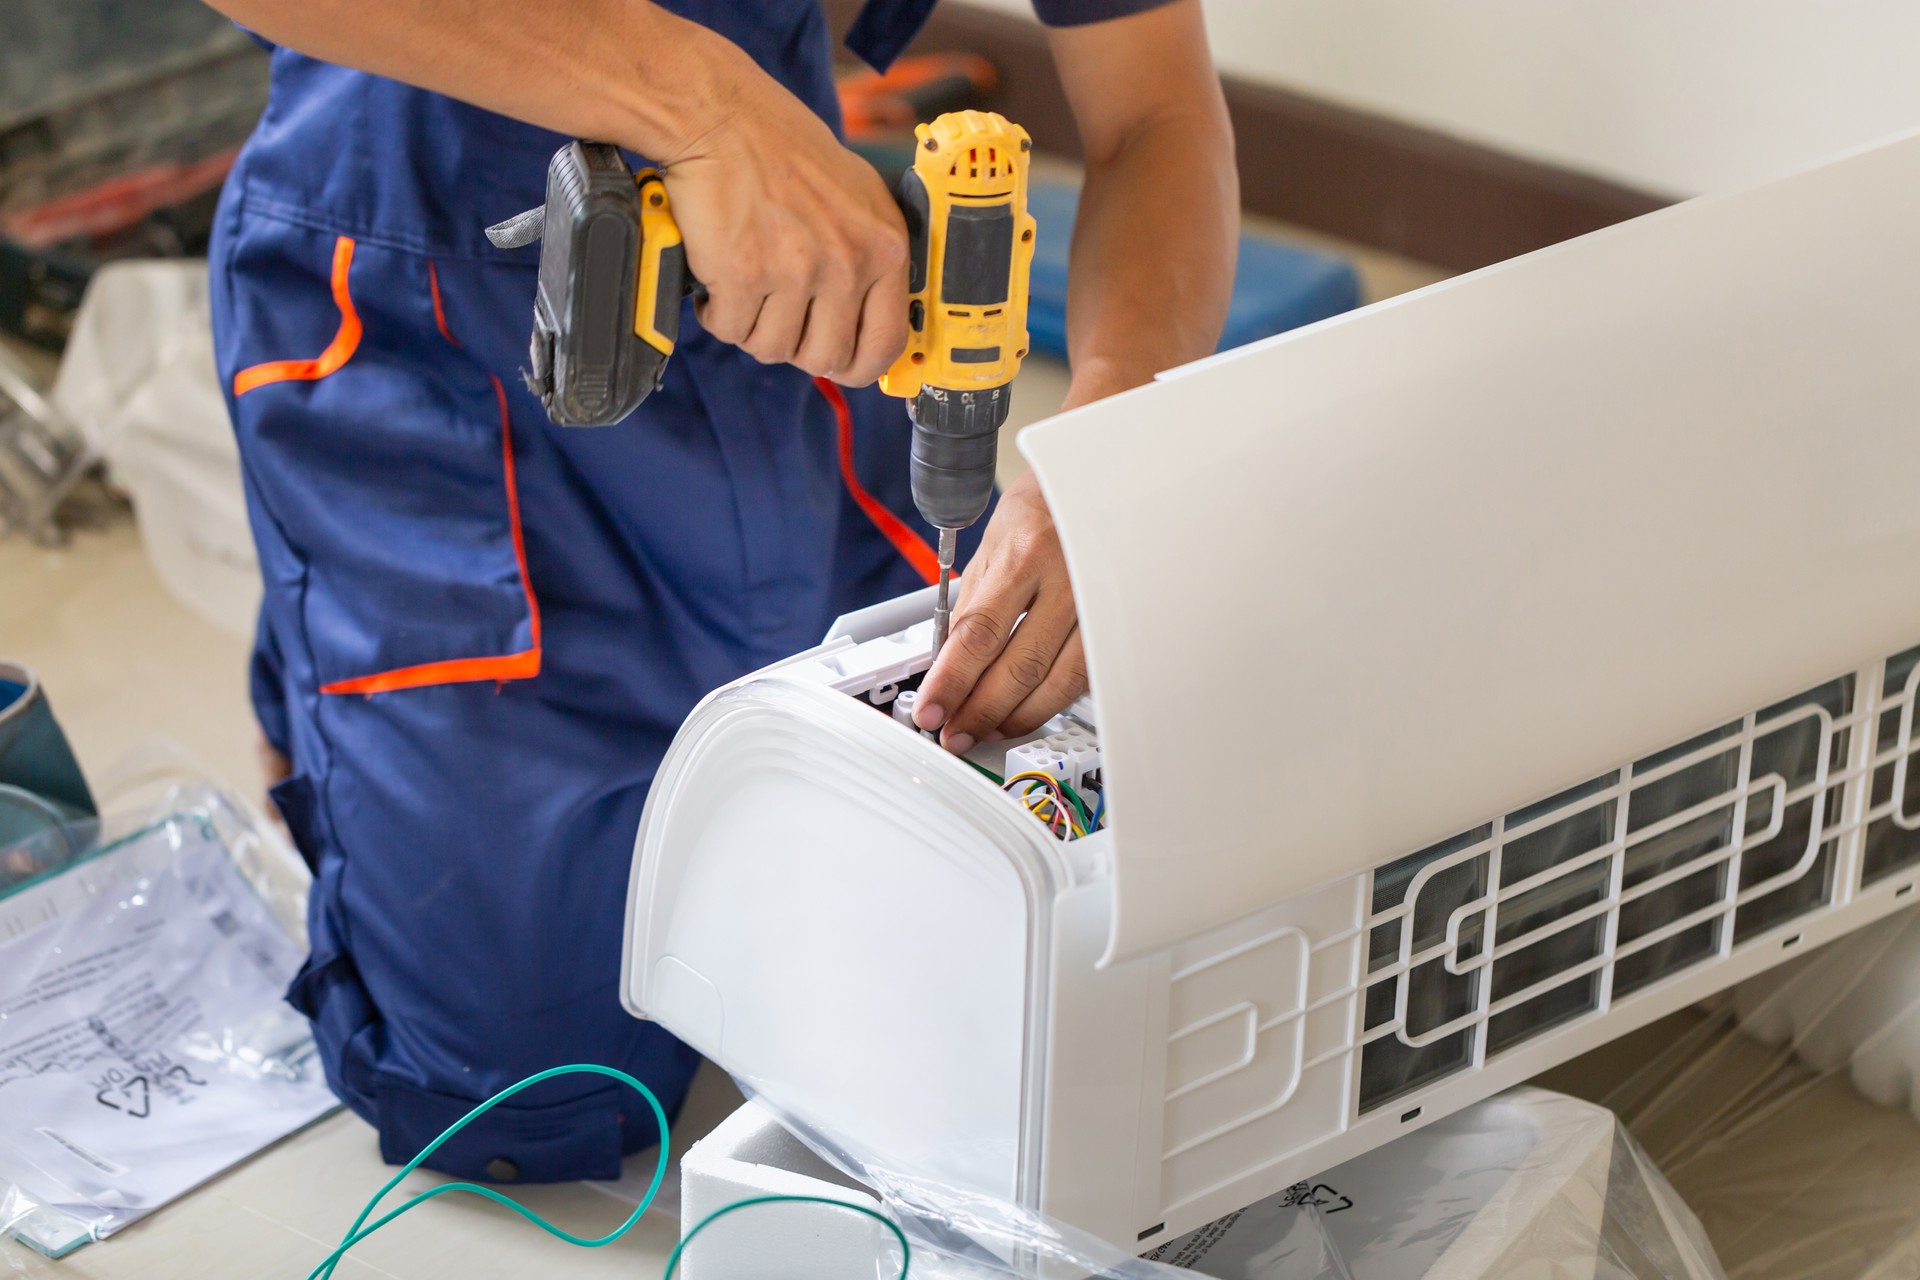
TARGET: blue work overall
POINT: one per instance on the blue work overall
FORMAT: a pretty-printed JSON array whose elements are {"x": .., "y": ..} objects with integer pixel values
[{"x": 479, "y": 630}]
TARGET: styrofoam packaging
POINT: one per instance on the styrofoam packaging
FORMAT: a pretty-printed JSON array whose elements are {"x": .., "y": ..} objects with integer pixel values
[
  {"x": 1777, "y": 1109},
  {"x": 1506, "y": 666},
  {"x": 750, "y": 1155},
  {"x": 1854, "y": 1007}
]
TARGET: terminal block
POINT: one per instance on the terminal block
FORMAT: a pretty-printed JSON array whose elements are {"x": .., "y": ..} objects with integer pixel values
[{"x": 1070, "y": 754}]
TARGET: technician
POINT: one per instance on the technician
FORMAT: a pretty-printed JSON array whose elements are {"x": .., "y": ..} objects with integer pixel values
[{"x": 480, "y": 631}]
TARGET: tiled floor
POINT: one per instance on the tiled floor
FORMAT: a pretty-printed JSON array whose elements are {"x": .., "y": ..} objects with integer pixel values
[{"x": 119, "y": 657}]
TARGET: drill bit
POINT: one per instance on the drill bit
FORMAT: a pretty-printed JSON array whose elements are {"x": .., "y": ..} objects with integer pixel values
[{"x": 942, "y": 609}]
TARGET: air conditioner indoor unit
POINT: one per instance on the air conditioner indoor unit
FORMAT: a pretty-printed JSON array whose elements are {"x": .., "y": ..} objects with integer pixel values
[{"x": 1476, "y": 678}]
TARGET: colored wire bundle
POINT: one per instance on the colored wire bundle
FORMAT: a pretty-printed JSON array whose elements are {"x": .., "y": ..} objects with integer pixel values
[
  {"x": 1053, "y": 801},
  {"x": 1050, "y": 799},
  {"x": 356, "y": 1233}
]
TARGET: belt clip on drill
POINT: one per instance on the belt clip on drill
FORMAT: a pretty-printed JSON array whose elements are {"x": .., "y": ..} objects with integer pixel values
[{"x": 971, "y": 242}]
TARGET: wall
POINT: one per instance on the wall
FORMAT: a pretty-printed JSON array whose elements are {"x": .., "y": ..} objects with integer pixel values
[{"x": 1672, "y": 96}]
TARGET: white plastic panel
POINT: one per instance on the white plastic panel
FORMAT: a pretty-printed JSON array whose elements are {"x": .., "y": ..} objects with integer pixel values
[
  {"x": 1317, "y": 1029},
  {"x": 1260, "y": 1038},
  {"x": 1466, "y": 547},
  {"x": 843, "y": 918}
]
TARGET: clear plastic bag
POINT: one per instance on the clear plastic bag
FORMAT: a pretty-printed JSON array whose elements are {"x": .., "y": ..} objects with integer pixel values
[
  {"x": 1525, "y": 1184},
  {"x": 144, "y": 1043},
  {"x": 158, "y": 779},
  {"x": 1787, "y": 1112}
]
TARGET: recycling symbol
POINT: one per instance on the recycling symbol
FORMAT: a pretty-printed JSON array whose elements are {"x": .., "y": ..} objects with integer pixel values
[
  {"x": 1319, "y": 1195},
  {"x": 131, "y": 1096}
]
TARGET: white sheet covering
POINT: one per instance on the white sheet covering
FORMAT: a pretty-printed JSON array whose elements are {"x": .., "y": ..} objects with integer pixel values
[{"x": 138, "y": 379}]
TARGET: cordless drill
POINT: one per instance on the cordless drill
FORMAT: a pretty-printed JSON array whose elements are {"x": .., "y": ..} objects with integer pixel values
[
  {"x": 613, "y": 271},
  {"x": 971, "y": 243}
]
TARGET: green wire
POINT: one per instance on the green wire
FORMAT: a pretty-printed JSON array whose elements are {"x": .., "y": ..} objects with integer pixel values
[
  {"x": 1086, "y": 814},
  {"x": 997, "y": 779},
  {"x": 356, "y": 1233}
]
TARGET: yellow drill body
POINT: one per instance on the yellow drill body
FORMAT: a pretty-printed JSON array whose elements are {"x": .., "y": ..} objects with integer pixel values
[
  {"x": 970, "y": 211},
  {"x": 971, "y": 238}
]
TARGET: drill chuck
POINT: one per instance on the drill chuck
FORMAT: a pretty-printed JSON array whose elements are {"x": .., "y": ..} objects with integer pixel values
[{"x": 955, "y": 448}]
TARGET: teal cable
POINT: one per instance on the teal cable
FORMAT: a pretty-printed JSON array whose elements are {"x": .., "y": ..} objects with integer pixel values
[{"x": 356, "y": 1233}]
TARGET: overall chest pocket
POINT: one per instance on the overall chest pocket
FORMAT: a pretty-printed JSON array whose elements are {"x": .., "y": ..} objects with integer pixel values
[{"x": 382, "y": 454}]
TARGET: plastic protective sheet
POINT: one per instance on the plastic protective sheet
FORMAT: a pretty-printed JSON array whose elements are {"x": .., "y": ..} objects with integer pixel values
[
  {"x": 1530, "y": 1183},
  {"x": 144, "y": 1044},
  {"x": 138, "y": 379},
  {"x": 1787, "y": 1112}
]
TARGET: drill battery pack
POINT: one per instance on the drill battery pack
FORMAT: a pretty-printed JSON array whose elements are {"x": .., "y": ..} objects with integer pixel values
[{"x": 613, "y": 271}]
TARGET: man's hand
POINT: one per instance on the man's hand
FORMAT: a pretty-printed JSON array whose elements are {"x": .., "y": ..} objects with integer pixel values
[
  {"x": 801, "y": 248},
  {"x": 1013, "y": 658},
  {"x": 1152, "y": 121},
  {"x": 994, "y": 678}
]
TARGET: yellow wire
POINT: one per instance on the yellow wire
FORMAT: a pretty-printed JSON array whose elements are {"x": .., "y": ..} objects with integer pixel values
[
  {"x": 1053, "y": 783},
  {"x": 1050, "y": 795},
  {"x": 1034, "y": 802}
]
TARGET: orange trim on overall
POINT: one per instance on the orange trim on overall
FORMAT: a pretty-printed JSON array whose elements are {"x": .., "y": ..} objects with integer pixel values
[
  {"x": 513, "y": 666},
  {"x": 338, "y": 352},
  {"x": 439, "y": 312},
  {"x": 923, "y": 558}
]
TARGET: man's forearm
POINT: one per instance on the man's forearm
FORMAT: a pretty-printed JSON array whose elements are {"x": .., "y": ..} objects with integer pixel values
[
  {"x": 802, "y": 251},
  {"x": 1153, "y": 246},
  {"x": 1153, "y": 255},
  {"x": 624, "y": 71}
]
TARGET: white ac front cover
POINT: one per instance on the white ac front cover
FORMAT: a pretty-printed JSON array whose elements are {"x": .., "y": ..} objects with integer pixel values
[{"x": 1348, "y": 591}]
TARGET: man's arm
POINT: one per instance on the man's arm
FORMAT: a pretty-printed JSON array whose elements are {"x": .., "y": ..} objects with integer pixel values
[
  {"x": 797, "y": 240},
  {"x": 1152, "y": 269},
  {"x": 1159, "y": 220}
]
